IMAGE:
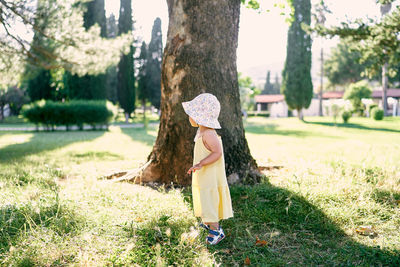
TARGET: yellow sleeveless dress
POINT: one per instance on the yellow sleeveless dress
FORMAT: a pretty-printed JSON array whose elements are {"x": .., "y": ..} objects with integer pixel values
[{"x": 210, "y": 190}]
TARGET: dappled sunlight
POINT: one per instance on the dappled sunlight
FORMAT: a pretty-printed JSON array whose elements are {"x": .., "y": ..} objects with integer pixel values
[
  {"x": 12, "y": 139},
  {"x": 157, "y": 218}
]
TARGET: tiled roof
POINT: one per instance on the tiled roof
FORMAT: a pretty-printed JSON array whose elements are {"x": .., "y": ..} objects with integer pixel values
[
  {"x": 390, "y": 93},
  {"x": 269, "y": 98},
  {"x": 333, "y": 94}
]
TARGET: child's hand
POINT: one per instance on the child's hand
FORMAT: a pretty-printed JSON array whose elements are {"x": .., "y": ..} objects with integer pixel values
[{"x": 196, "y": 167}]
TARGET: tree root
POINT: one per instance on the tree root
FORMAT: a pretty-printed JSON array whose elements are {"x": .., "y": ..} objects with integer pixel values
[{"x": 131, "y": 176}]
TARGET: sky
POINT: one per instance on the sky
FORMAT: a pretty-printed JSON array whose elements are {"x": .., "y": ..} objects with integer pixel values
[{"x": 262, "y": 35}]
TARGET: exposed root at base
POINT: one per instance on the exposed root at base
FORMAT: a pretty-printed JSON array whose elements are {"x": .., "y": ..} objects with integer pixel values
[{"x": 132, "y": 176}]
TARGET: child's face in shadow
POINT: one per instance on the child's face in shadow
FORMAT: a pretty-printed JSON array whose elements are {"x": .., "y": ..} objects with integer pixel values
[{"x": 192, "y": 122}]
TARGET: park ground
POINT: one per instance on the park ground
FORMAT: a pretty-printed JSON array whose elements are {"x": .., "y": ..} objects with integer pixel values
[{"x": 335, "y": 201}]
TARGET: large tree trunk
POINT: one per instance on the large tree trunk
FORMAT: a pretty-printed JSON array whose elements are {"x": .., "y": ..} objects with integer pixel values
[{"x": 200, "y": 56}]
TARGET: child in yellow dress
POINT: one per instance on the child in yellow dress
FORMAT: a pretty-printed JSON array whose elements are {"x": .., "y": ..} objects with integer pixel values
[{"x": 210, "y": 190}]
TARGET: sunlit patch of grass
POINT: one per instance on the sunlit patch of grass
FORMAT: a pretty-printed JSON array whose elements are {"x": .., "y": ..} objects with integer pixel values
[{"x": 55, "y": 211}]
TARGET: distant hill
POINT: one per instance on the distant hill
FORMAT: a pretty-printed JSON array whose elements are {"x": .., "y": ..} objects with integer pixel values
[{"x": 259, "y": 73}]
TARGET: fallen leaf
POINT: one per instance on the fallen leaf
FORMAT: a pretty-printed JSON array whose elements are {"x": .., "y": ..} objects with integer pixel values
[
  {"x": 260, "y": 243},
  {"x": 247, "y": 261},
  {"x": 366, "y": 230},
  {"x": 227, "y": 251},
  {"x": 244, "y": 197}
]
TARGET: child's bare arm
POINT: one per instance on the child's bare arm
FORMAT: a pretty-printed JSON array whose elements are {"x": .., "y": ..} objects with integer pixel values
[{"x": 211, "y": 142}]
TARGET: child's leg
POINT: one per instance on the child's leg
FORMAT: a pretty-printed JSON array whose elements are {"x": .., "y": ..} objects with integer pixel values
[{"x": 213, "y": 225}]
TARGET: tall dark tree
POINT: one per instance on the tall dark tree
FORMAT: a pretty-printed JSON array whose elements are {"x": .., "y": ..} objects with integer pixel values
[
  {"x": 268, "y": 86},
  {"x": 154, "y": 59},
  {"x": 111, "y": 74},
  {"x": 143, "y": 90},
  {"x": 297, "y": 85},
  {"x": 277, "y": 84},
  {"x": 194, "y": 62},
  {"x": 90, "y": 86},
  {"x": 37, "y": 79},
  {"x": 126, "y": 78}
]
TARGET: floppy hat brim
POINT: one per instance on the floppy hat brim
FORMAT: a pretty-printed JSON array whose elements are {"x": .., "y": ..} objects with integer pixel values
[{"x": 210, "y": 124}]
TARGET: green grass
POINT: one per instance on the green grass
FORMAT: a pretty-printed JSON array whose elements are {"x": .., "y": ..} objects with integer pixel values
[{"x": 55, "y": 210}]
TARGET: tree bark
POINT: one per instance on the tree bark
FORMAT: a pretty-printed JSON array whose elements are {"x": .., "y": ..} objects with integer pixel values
[
  {"x": 300, "y": 114},
  {"x": 199, "y": 57}
]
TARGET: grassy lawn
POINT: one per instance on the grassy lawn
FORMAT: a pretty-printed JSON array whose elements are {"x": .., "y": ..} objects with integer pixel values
[{"x": 55, "y": 210}]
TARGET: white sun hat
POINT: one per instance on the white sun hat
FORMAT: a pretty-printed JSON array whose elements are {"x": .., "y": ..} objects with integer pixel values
[{"x": 204, "y": 110}]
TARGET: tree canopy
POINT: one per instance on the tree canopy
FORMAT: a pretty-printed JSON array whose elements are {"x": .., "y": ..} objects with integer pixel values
[{"x": 74, "y": 48}]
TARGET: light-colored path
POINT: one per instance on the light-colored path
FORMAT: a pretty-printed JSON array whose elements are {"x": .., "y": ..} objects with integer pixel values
[{"x": 63, "y": 128}]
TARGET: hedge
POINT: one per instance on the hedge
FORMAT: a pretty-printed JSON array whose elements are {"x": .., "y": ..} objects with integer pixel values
[
  {"x": 377, "y": 114},
  {"x": 75, "y": 112}
]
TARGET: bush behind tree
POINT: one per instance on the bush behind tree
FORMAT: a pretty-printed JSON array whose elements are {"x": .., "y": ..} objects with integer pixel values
[
  {"x": 346, "y": 116},
  {"x": 75, "y": 112},
  {"x": 377, "y": 113},
  {"x": 355, "y": 93}
]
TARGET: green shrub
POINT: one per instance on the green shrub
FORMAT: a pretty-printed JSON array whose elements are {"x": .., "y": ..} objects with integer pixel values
[
  {"x": 76, "y": 112},
  {"x": 346, "y": 116},
  {"x": 370, "y": 107},
  {"x": 258, "y": 113},
  {"x": 377, "y": 114},
  {"x": 355, "y": 93}
]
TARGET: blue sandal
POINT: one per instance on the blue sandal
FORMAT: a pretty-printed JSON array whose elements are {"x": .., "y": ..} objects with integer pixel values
[{"x": 216, "y": 235}]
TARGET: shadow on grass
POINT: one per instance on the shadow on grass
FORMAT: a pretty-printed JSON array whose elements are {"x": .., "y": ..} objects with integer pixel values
[
  {"x": 140, "y": 135},
  {"x": 273, "y": 130},
  {"x": 352, "y": 126},
  {"x": 43, "y": 142},
  {"x": 297, "y": 233}
]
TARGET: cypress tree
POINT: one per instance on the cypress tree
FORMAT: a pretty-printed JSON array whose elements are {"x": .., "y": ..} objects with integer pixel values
[
  {"x": 153, "y": 68},
  {"x": 90, "y": 86},
  {"x": 111, "y": 74},
  {"x": 268, "y": 87},
  {"x": 126, "y": 78},
  {"x": 297, "y": 85},
  {"x": 277, "y": 85},
  {"x": 143, "y": 92},
  {"x": 37, "y": 79}
]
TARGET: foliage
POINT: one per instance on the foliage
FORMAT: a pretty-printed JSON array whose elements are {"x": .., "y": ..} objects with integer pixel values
[
  {"x": 346, "y": 115},
  {"x": 89, "y": 86},
  {"x": 343, "y": 66},
  {"x": 370, "y": 107},
  {"x": 15, "y": 98},
  {"x": 297, "y": 85},
  {"x": 247, "y": 92},
  {"x": 377, "y": 42},
  {"x": 335, "y": 110},
  {"x": 377, "y": 113},
  {"x": 153, "y": 64},
  {"x": 271, "y": 88},
  {"x": 73, "y": 48},
  {"x": 126, "y": 79},
  {"x": 143, "y": 91},
  {"x": 50, "y": 114},
  {"x": 355, "y": 92}
]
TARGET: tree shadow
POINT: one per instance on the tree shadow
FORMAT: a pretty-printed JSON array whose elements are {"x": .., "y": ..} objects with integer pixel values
[
  {"x": 141, "y": 135},
  {"x": 272, "y": 129},
  {"x": 43, "y": 142},
  {"x": 352, "y": 126},
  {"x": 297, "y": 232},
  {"x": 386, "y": 197}
]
